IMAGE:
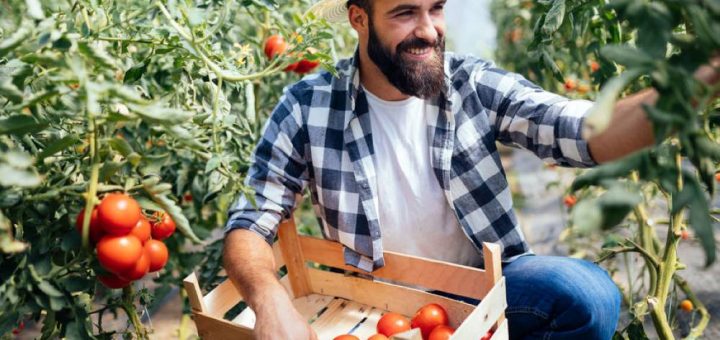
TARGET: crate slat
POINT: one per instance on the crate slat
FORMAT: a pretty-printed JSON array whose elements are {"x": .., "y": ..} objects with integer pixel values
[
  {"x": 369, "y": 326},
  {"x": 210, "y": 327},
  {"x": 340, "y": 318},
  {"x": 292, "y": 254},
  {"x": 485, "y": 315},
  {"x": 431, "y": 274},
  {"x": 385, "y": 296},
  {"x": 502, "y": 332}
]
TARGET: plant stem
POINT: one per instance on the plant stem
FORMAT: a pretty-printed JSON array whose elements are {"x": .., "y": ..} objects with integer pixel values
[
  {"x": 94, "y": 176},
  {"x": 698, "y": 330},
  {"x": 129, "y": 308}
]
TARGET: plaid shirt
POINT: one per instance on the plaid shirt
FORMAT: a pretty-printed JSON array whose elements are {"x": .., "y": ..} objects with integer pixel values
[{"x": 319, "y": 136}]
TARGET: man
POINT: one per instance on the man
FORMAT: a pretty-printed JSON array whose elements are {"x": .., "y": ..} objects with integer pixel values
[{"x": 399, "y": 154}]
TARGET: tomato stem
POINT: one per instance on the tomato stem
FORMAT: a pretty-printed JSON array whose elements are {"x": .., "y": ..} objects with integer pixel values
[{"x": 132, "y": 314}]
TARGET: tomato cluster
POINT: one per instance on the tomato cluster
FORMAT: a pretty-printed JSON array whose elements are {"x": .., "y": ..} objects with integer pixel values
[
  {"x": 431, "y": 319},
  {"x": 128, "y": 245},
  {"x": 275, "y": 46}
]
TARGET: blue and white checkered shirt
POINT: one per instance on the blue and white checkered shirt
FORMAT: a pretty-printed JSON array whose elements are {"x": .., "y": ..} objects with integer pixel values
[{"x": 319, "y": 136}]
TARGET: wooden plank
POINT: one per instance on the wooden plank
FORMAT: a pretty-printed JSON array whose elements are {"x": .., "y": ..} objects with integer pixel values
[
  {"x": 192, "y": 287},
  {"x": 294, "y": 258},
  {"x": 340, "y": 318},
  {"x": 413, "y": 334},
  {"x": 485, "y": 315},
  {"x": 221, "y": 299},
  {"x": 431, "y": 274},
  {"x": 308, "y": 306},
  {"x": 502, "y": 332},
  {"x": 385, "y": 296},
  {"x": 210, "y": 328},
  {"x": 369, "y": 326},
  {"x": 277, "y": 255}
]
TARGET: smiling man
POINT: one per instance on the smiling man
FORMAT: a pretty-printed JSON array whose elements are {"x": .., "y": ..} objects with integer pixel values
[{"x": 398, "y": 152}]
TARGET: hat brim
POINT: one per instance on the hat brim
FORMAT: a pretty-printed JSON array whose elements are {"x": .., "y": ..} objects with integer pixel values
[{"x": 330, "y": 10}]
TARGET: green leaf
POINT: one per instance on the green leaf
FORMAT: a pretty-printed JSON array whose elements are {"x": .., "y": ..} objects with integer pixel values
[
  {"x": 555, "y": 17},
  {"x": 35, "y": 10},
  {"x": 587, "y": 216},
  {"x": 627, "y": 55},
  {"x": 18, "y": 37},
  {"x": 97, "y": 54},
  {"x": 20, "y": 125},
  {"x": 135, "y": 73},
  {"x": 47, "y": 288},
  {"x": 156, "y": 114},
  {"x": 12, "y": 176},
  {"x": 121, "y": 145},
  {"x": 10, "y": 91},
  {"x": 598, "y": 119},
  {"x": 693, "y": 198},
  {"x": 57, "y": 146},
  {"x": 619, "y": 168},
  {"x": 160, "y": 197}
]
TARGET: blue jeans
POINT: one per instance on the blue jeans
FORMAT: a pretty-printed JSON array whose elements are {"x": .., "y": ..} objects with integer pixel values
[{"x": 552, "y": 297}]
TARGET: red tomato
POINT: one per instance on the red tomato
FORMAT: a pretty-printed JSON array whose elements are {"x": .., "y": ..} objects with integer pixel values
[
  {"x": 157, "y": 253},
  {"x": 441, "y": 332},
  {"x": 163, "y": 226},
  {"x": 291, "y": 67},
  {"x": 306, "y": 66},
  {"x": 118, "y": 254},
  {"x": 570, "y": 84},
  {"x": 346, "y": 337},
  {"x": 275, "y": 45},
  {"x": 428, "y": 317},
  {"x": 142, "y": 230},
  {"x": 570, "y": 201},
  {"x": 19, "y": 329},
  {"x": 487, "y": 335},
  {"x": 96, "y": 232},
  {"x": 378, "y": 337},
  {"x": 113, "y": 282},
  {"x": 594, "y": 66},
  {"x": 118, "y": 214},
  {"x": 717, "y": 177},
  {"x": 392, "y": 323},
  {"x": 141, "y": 267}
]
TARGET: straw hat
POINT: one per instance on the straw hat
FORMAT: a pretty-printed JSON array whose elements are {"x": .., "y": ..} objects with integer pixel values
[{"x": 330, "y": 10}]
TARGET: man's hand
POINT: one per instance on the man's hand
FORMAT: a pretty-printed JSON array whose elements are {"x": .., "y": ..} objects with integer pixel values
[{"x": 277, "y": 318}]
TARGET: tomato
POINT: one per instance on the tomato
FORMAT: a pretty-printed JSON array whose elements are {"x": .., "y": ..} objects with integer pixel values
[
  {"x": 291, "y": 67},
  {"x": 19, "y": 329},
  {"x": 346, "y": 337},
  {"x": 428, "y": 317},
  {"x": 392, "y": 323},
  {"x": 141, "y": 267},
  {"x": 157, "y": 253},
  {"x": 378, "y": 337},
  {"x": 306, "y": 66},
  {"x": 118, "y": 254},
  {"x": 570, "y": 84},
  {"x": 594, "y": 66},
  {"x": 583, "y": 88},
  {"x": 142, "y": 230},
  {"x": 441, "y": 332},
  {"x": 275, "y": 45},
  {"x": 163, "y": 226},
  {"x": 113, "y": 282},
  {"x": 118, "y": 214},
  {"x": 569, "y": 201},
  {"x": 684, "y": 234},
  {"x": 96, "y": 231},
  {"x": 717, "y": 177},
  {"x": 686, "y": 305}
]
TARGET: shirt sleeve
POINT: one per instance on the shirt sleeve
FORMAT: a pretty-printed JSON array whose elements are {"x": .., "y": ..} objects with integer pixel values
[
  {"x": 523, "y": 114},
  {"x": 277, "y": 174}
]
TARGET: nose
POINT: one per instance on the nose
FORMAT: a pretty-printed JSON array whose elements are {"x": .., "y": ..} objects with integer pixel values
[{"x": 426, "y": 28}]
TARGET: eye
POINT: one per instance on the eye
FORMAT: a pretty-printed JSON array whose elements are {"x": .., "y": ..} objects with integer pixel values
[{"x": 404, "y": 14}]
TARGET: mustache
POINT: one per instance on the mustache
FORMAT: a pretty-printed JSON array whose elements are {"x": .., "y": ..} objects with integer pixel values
[{"x": 418, "y": 43}]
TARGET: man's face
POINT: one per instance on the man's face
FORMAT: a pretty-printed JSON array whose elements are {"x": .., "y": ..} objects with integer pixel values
[{"x": 406, "y": 41}]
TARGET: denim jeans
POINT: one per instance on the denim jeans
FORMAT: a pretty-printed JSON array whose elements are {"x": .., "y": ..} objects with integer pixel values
[{"x": 552, "y": 297}]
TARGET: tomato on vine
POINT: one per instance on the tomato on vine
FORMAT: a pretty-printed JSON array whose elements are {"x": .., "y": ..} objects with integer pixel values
[
  {"x": 113, "y": 282},
  {"x": 96, "y": 231},
  {"x": 141, "y": 267},
  {"x": 157, "y": 253},
  {"x": 570, "y": 200},
  {"x": 686, "y": 305},
  {"x": 274, "y": 46},
  {"x": 142, "y": 230},
  {"x": 163, "y": 226},
  {"x": 118, "y": 214},
  {"x": 118, "y": 254}
]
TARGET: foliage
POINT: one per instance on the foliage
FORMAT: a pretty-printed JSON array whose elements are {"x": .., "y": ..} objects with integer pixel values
[{"x": 622, "y": 47}]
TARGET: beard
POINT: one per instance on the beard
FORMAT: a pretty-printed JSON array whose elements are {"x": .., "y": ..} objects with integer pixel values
[{"x": 423, "y": 79}]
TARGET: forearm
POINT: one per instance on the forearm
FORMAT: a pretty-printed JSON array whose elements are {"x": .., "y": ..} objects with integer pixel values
[{"x": 249, "y": 262}]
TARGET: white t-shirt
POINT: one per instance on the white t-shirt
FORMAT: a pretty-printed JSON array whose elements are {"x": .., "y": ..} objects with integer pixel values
[{"x": 415, "y": 217}]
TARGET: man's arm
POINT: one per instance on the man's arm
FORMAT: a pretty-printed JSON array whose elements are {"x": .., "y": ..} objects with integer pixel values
[
  {"x": 629, "y": 128},
  {"x": 249, "y": 262}
]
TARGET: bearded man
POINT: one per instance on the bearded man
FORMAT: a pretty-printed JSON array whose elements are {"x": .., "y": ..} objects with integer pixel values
[{"x": 398, "y": 152}]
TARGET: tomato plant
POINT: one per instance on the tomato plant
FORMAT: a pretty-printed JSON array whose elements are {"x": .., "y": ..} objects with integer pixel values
[
  {"x": 622, "y": 47},
  {"x": 162, "y": 102}
]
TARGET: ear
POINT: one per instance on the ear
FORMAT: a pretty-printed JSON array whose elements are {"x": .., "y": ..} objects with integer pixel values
[{"x": 358, "y": 19}]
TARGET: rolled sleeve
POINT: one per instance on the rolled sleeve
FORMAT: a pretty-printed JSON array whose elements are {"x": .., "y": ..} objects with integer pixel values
[
  {"x": 524, "y": 115},
  {"x": 278, "y": 173}
]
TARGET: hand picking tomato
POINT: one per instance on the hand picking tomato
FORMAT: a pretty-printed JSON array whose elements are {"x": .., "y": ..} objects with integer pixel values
[
  {"x": 392, "y": 323},
  {"x": 428, "y": 317},
  {"x": 158, "y": 254},
  {"x": 441, "y": 332},
  {"x": 488, "y": 335},
  {"x": 118, "y": 254},
  {"x": 275, "y": 45},
  {"x": 377, "y": 337},
  {"x": 141, "y": 267},
  {"x": 118, "y": 214},
  {"x": 346, "y": 337},
  {"x": 113, "y": 282},
  {"x": 163, "y": 226},
  {"x": 96, "y": 232},
  {"x": 142, "y": 230}
]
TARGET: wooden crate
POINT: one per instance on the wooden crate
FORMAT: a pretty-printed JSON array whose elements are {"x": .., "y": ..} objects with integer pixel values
[{"x": 335, "y": 303}]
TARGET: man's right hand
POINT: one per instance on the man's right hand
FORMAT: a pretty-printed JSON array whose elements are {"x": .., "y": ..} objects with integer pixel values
[{"x": 277, "y": 318}]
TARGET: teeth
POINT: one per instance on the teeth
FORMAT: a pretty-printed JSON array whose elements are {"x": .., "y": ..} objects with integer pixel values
[{"x": 418, "y": 51}]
